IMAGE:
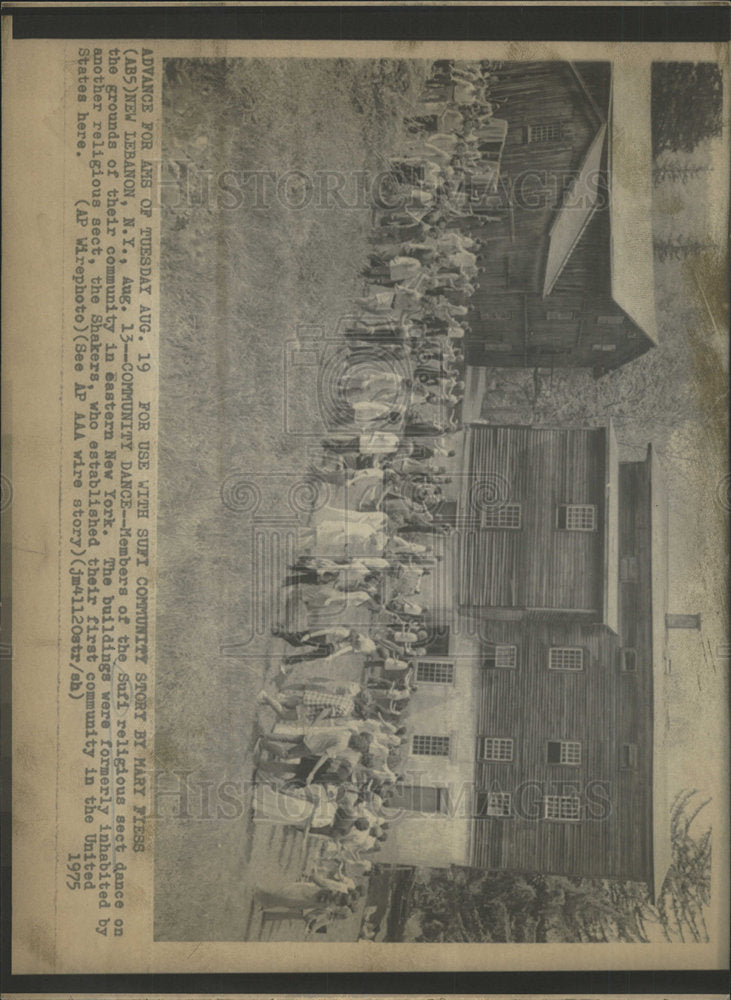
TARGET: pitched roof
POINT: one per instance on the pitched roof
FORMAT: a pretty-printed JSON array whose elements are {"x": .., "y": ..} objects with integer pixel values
[
  {"x": 627, "y": 140},
  {"x": 579, "y": 204}
]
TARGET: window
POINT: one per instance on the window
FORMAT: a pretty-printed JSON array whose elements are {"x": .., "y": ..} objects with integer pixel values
[
  {"x": 507, "y": 516},
  {"x": 496, "y": 345},
  {"x": 566, "y": 658},
  {"x": 499, "y": 804},
  {"x": 564, "y": 807},
  {"x": 604, "y": 347},
  {"x": 628, "y": 756},
  {"x": 434, "y": 672},
  {"x": 557, "y": 315},
  {"x": 564, "y": 752},
  {"x": 629, "y": 660},
  {"x": 496, "y": 748},
  {"x": 610, "y": 320},
  {"x": 430, "y": 746},
  {"x": 545, "y": 132},
  {"x": 420, "y": 798},
  {"x": 500, "y": 657},
  {"x": 577, "y": 517}
]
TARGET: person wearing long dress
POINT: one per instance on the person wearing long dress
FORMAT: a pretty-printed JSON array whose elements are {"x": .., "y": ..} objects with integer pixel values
[
  {"x": 321, "y": 697},
  {"x": 312, "y": 807},
  {"x": 324, "y": 596},
  {"x": 338, "y": 531}
]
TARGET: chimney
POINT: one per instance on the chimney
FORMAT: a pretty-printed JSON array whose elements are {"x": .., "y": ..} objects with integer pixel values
[{"x": 683, "y": 621}]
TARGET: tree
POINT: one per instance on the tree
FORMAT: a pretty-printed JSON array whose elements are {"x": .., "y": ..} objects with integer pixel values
[
  {"x": 467, "y": 904},
  {"x": 686, "y": 891},
  {"x": 686, "y": 105}
]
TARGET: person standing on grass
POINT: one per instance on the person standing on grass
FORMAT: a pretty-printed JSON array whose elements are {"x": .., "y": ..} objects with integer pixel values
[
  {"x": 327, "y": 643},
  {"x": 324, "y": 596},
  {"x": 367, "y": 443}
]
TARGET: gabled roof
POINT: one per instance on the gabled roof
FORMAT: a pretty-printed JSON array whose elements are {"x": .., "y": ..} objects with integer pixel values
[
  {"x": 579, "y": 204},
  {"x": 627, "y": 140}
]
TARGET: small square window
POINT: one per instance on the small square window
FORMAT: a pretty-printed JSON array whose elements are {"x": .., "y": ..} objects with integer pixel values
[
  {"x": 629, "y": 660},
  {"x": 434, "y": 672},
  {"x": 564, "y": 752},
  {"x": 562, "y": 807},
  {"x": 506, "y": 516},
  {"x": 496, "y": 748},
  {"x": 577, "y": 517},
  {"x": 500, "y": 658},
  {"x": 545, "y": 132},
  {"x": 566, "y": 658},
  {"x": 628, "y": 756},
  {"x": 430, "y": 746},
  {"x": 499, "y": 804}
]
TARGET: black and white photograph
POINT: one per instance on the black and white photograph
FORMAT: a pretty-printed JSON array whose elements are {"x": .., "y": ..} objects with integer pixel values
[
  {"x": 365, "y": 497},
  {"x": 441, "y": 636}
]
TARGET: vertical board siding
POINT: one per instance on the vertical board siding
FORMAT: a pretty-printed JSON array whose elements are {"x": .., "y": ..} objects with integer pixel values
[
  {"x": 537, "y": 565},
  {"x": 534, "y": 178},
  {"x": 600, "y": 706}
]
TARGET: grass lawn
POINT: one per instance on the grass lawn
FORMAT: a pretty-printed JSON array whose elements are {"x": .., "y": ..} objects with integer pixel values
[{"x": 245, "y": 278}]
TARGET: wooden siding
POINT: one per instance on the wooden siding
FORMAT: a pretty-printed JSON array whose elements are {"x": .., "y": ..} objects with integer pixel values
[
  {"x": 536, "y": 174},
  {"x": 602, "y": 706},
  {"x": 535, "y": 177},
  {"x": 598, "y": 706},
  {"x": 566, "y": 328},
  {"x": 537, "y": 565}
]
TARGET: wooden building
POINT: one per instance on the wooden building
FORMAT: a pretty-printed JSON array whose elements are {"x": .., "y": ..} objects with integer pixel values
[
  {"x": 568, "y": 278},
  {"x": 537, "y": 725}
]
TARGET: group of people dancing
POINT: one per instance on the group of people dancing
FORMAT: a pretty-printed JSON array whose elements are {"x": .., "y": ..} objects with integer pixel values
[{"x": 332, "y": 764}]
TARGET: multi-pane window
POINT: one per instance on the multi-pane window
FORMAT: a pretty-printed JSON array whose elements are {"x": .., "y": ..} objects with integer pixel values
[
  {"x": 614, "y": 320},
  {"x": 604, "y": 347},
  {"x": 506, "y": 516},
  {"x": 545, "y": 132},
  {"x": 558, "y": 315},
  {"x": 628, "y": 755},
  {"x": 430, "y": 746},
  {"x": 434, "y": 672},
  {"x": 566, "y": 807},
  {"x": 564, "y": 752},
  {"x": 500, "y": 657},
  {"x": 629, "y": 660},
  {"x": 499, "y": 804},
  {"x": 420, "y": 798},
  {"x": 566, "y": 658},
  {"x": 577, "y": 516},
  {"x": 497, "y": 748}
]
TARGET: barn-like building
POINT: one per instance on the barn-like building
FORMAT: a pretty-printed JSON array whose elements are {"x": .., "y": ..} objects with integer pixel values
[
  {"x": 536, "y": 730},
  {"x": 568, "y": 279}
]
